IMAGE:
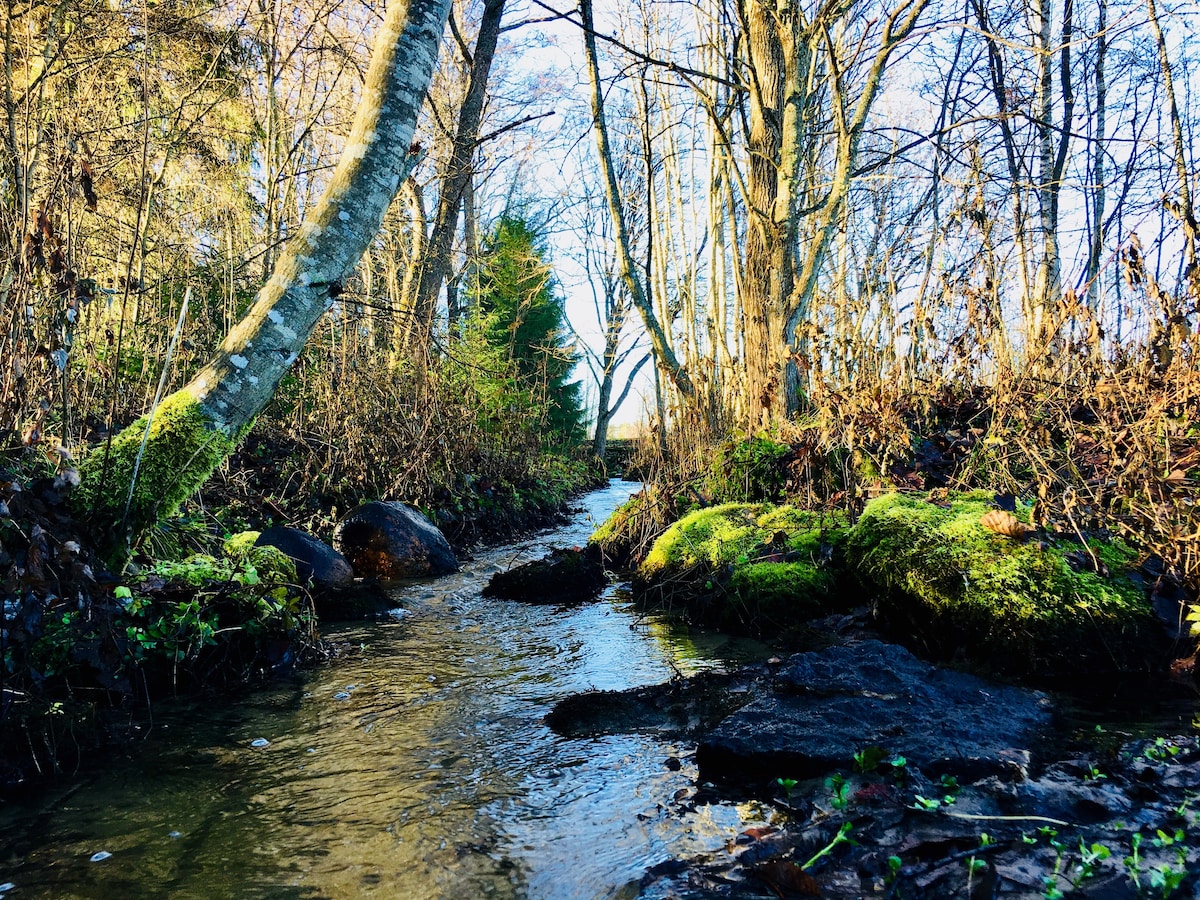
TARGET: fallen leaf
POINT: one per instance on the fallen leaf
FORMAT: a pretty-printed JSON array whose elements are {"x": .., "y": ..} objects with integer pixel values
[
  {"x": 788, "y": 877},
  {"x": 1005, "y": 523}
]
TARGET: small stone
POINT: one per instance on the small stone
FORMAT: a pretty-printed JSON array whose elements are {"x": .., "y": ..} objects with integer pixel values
[
  {"x": 101, "y": 856},
  {"x": 7, "y": 886},
  {"x": 174, "y": 835},
  {"x": 341, "y": 695},
  {"x": 673, "y": 763},
  {"x": 260, "y": 742}
]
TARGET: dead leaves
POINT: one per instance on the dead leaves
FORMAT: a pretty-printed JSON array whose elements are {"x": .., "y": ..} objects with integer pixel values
[
  {"x": 1005, "y": 523},
  {"x": 787, "y": 879}
]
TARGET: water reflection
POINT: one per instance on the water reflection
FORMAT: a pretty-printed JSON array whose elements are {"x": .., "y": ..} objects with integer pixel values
[{"x": 417, "y": 766}]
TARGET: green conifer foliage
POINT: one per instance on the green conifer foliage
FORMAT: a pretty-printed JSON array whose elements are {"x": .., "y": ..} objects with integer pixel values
[{"x": 521, "y": 314}]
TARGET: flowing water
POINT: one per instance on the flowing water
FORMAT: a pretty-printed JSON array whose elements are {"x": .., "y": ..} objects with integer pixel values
[{"x": 415, "y": 766}]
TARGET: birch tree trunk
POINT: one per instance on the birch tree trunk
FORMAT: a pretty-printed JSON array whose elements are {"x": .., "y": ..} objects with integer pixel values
[{"x": 156, "y": 463}]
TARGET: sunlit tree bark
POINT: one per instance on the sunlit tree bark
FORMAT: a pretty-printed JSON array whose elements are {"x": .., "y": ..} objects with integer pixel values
[
  {"x": 435, "y": 263},
  {"x": 154, "y": 465}
]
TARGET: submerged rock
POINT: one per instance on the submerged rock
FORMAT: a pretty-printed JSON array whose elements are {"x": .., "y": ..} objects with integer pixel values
[
  {"x": 386, "y": 539},
  {"x": 830, "y": 704},
  {"x": 562, "y": 576}
]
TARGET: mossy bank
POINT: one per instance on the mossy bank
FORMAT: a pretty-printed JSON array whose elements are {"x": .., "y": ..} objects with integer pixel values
[
  {"x": 752, "y": 567},
  {"x": 1049, "y": 608}
]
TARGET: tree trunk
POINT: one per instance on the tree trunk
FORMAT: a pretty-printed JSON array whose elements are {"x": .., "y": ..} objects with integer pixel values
[
  {"x": 436, "y": 263},
  {"x": 664, "y": 354},
  {"x": 127, "y": 488}
]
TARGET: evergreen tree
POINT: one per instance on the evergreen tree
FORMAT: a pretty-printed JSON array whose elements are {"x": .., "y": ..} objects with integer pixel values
[{"x": 521, "y": 314}]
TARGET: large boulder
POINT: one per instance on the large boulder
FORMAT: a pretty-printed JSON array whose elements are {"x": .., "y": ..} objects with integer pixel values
[
  {"x": 385, "y": 539},
  {"x": 829, "y": 705},
  {"x": 1051, "y": 609},
  {"x": 315, "y": 560},
  {"x": 562, "y": 576}
]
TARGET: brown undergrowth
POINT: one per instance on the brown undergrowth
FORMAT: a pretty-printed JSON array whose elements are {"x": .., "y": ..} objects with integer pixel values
[{"x": 1106, "y": 447}]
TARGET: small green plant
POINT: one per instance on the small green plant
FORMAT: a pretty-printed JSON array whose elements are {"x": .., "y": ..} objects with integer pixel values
[
  {"x": 788, "y": 785},
  {"x": 1166, "y": 878},
  {"x": 1160, "y": 751},
  {"x": 839, "y": 788},
  {"x": 926, "y": 804},
  {"x": 1090, "y": 857},
  {"x": 975, "y": 865},
  {"x": 868, "y": 759},
  {"x": 1093, "y": 774},
  {"x": 842, "y": 837}
]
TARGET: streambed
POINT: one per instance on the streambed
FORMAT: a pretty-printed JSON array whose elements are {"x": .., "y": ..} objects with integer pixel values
[{"x": 417, "y": 765}]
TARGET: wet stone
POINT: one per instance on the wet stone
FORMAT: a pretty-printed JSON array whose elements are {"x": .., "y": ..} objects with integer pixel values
[{"x": 830, "y": 704}]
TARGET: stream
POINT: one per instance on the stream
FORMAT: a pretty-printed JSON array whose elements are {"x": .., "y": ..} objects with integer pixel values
[{"x": 416, "y": 765}]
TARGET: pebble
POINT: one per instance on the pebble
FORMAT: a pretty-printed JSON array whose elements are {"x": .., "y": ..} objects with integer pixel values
[
  {"x": 260, "y": 742},
  {"x": 341, "y": 695},
  {"x": 101, "y": 856},
  {"x": 174, "y": 834},
  {"x": 7, "y": 886}
]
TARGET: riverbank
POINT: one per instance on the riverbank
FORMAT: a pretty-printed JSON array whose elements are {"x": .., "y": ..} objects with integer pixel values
[
  {"x": 88, "y": 652},
  {"x": 880, "y": 775}
]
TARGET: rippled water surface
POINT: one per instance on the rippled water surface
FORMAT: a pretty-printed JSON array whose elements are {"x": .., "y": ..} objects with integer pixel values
[{"x": 418, "y": 766}]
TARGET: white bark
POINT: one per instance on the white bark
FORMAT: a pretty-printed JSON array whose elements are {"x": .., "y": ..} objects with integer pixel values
[
  {"x": 199, "y": 424},
  {"x": 377, "y": 158}
]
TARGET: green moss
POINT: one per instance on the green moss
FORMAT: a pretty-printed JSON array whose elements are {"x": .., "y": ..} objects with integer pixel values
[
  {"x": 182, "y": 450},
  {"x": 746, "y": 565},
  {"x": 1020, "y": 607},
  {"x": 238, "y": 546},
  {"x": 712, "y": 536},
  {"x": 270, "y": 563},
  {"x": 782, "y": 592},
  {"x": 612, "y": 529}
]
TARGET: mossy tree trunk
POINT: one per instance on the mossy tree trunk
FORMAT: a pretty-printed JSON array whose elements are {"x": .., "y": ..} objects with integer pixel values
[{"x": 193, "y": 430}]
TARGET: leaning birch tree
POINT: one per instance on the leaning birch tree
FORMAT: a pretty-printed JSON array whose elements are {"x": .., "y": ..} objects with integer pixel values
[{"x": 150, "y": 468}]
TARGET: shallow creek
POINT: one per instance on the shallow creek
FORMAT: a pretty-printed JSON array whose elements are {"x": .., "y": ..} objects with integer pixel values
[{"x": 416, "y": 766}]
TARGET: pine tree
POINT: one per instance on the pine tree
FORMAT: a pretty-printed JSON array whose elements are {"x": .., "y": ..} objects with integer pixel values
[{"x": 521, "y": 313}]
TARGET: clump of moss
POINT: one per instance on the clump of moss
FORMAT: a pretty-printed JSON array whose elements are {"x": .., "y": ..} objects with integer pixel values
[
  {"x": 1019, "y": 607},
  {"x": 271, "y": 563},
  {"x": 182, "y": 450},
  {"x": 626, "y": 535},
  {"x": 746, "y": 566}
]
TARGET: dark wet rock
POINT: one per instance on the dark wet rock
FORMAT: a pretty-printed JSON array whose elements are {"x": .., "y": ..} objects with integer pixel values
[
  {"x": 385, "y": 539},
  {"x": 562, "y": 576},
  {"x": 830, "y": 704},
  {"x": 679, "y": 708},
  {"x": 337, "y": 594},
  {"x": 315, "y": 560}
]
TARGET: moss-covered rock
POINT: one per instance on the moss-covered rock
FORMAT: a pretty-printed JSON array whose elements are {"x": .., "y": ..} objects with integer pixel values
[
  {"x": 746, "y": 566},
  {"x": 271, "y": 563},
  {"x": 627, "y": 535},
  {"x": 1019, "y": 607}
]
